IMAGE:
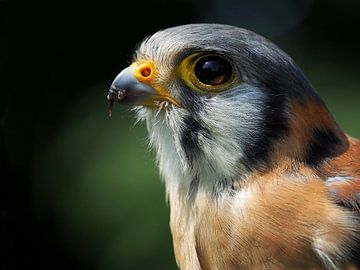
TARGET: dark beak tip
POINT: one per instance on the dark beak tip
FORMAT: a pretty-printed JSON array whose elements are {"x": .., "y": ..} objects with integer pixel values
[{"x": 116, "y": 94}]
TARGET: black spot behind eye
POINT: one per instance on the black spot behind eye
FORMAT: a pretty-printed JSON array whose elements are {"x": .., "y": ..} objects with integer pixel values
[{"x": 213, "y": 70}]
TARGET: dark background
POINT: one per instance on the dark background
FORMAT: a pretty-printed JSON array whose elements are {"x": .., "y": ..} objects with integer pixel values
[{"x": 80, "y": 190}]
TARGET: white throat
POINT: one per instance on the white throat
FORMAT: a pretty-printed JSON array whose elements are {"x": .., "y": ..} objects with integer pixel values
[{"x": 216, "y": 165}]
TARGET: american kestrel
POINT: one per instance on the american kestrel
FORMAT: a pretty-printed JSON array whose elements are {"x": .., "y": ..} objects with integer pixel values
[{"x": 257, "y": 172}]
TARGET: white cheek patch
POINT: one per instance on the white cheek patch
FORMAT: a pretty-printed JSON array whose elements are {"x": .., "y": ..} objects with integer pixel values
[{"x": 232, "y": 119}]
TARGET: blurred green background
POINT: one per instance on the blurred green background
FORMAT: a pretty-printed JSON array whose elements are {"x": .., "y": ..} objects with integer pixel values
[{"x": 80, "y": 190}]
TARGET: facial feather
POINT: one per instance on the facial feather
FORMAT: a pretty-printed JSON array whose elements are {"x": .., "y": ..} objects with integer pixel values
[
  {"x": 219, "y": 137},
  {"x": 227, "y": 122},
  {"x": 216, "y": 138}
]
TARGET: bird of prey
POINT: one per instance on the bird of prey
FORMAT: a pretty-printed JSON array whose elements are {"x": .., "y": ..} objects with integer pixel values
[{"x": 258, "y": 174}]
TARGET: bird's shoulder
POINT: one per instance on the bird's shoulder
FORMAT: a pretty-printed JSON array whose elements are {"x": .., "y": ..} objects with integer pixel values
[
  {"x": 343, "y": 179},
  {"x": 321, "y": 205}
]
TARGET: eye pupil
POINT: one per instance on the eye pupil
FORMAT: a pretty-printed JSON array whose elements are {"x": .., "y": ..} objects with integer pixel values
[{"x": 213, "y": 70}]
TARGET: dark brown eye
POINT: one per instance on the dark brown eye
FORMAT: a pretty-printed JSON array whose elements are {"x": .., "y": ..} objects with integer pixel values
[{"x": 213, "y": 70}]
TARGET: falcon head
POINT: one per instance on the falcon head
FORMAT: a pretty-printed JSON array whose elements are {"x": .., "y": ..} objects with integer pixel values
[{"x": 220, "y": 103}]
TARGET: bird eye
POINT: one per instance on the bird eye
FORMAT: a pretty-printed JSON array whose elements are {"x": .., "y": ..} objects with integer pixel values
[
  {"x": 206, "y": 72},
  {"x": 213, "y": 70}
]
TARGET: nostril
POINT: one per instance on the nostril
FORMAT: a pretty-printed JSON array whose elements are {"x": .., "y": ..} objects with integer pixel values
[{"x": 145, "y": 72}]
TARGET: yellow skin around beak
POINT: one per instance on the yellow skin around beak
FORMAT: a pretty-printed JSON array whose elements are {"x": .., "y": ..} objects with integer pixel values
[{"x": 138, "y": 85}]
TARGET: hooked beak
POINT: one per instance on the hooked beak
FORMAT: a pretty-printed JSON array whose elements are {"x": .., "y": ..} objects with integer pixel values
[{"x": 130, "y": 88}]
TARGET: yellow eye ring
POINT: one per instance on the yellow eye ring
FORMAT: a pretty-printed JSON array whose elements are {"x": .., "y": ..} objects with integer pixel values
[{"x": 207, "y": 73}]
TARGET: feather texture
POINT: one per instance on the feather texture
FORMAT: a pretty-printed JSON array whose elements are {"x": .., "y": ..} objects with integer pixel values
[{"x": 258, "y": 175}]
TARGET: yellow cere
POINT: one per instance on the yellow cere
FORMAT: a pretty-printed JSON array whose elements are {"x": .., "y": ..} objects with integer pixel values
[{"x": 146, "y": 72}]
